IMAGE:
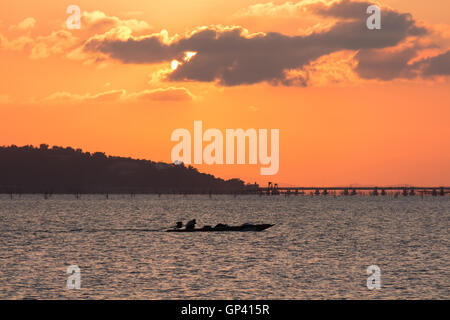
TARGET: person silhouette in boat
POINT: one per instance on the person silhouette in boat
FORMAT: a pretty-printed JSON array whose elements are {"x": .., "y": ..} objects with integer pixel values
[
  {"x": 191, "y": 224},
  {"x": 178, "y": 225}
]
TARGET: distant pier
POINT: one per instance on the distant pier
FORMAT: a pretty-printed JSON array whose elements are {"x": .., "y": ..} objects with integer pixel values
[
  {"x": 274, "y": 189},
  {"x": 271, "y": 189}
]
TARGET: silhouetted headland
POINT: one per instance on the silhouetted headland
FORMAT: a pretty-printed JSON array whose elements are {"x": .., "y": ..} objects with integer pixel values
[{"x": 29, "y": 169}]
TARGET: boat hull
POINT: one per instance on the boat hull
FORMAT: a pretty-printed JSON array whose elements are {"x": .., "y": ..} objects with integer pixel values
[{"x": 255, "y": 228}]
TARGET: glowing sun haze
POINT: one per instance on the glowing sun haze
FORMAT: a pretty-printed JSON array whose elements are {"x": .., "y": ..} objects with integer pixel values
[{"x": 353, "y": 106}]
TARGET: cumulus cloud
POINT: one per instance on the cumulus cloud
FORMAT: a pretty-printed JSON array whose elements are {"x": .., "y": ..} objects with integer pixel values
[
  {"x": 345, "y": 9},
  {"x": 57, "y": 42},
  {"x": 270, "y": 9},
  {"x": 96, "y": 24},
  {"x": 232, "y": 56},
  {"x": 98, "y": 21},
  {"x": 17, "y": 44}
]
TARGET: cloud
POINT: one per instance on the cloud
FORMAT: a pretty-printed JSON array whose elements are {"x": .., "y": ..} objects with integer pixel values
[
  {"x": 108, "y": 96},
  {"x": 337, "y": 67},
  {"x": 344, "y": 9},
  {"x": 164, "y": 94},
  {"x": 26, "y": 24},
  {"x": 436, "y": 66},
  {"x": 65, "y": 43},
  {"x": 386, "y": 64},
  {"x": 270, "y": 9},
  {"x": 160, "y": 94},
  {"x": 393, "y": 64},
  {"x": 232, "y": 56},
  {"x": 98, "y": 21},
  {"x": 129, "y": 49},
  {"x": 57, "y": 42},
  {"x": 15, "y": 45}
]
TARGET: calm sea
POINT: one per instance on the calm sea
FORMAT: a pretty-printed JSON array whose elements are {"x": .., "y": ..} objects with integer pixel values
[{"x": 320, "y": 247}]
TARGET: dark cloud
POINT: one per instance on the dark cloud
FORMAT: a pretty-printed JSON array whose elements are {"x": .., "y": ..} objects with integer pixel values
[
  {"x": 345, "y": 9},
  {"x": 385, "y": 65},
  {"x": 436, "y": 66},
  {"x": 233, "y": 58},
  {"x": 388, "y": 65},
  {"x": 149, "y": 50}
]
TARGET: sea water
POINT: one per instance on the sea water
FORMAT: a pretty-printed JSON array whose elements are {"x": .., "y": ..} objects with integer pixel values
[{"x": 319, "y": 248}]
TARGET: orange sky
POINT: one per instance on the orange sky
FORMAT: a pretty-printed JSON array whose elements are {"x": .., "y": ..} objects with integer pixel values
[{"x": 340, "y": 129}]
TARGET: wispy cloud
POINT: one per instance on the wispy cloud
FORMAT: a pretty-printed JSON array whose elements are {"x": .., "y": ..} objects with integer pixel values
[
  {"x": 175, "y": 94},
  {"x": 108, "y": 96},
  {"x": 164, "y": 94}
]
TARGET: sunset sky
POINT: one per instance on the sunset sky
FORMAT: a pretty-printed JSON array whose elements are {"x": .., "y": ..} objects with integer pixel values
[{"x": 353, "y": 106}]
